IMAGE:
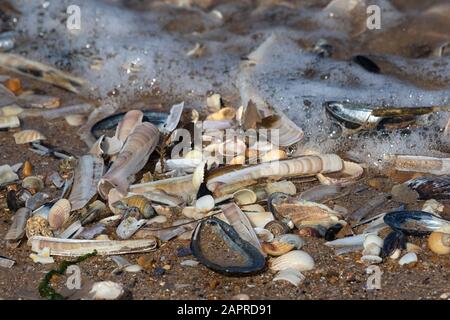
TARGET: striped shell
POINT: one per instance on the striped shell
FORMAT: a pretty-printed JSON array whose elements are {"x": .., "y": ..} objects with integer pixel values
[
  {"x": 59, "y": 213},
  {"x": 33, "y": 182},
  {"x": 297, "y": 260},
  {"x": 27, "y": 136}
]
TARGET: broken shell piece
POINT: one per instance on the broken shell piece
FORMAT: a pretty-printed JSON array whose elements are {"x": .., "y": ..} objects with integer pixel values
[
  {"x": 27, "y": 136},
  {"x": 292, "y": 276},
  {"x": 371, "y": 259},
  {"x": 129, "y": 122},
  {"x": 128, "y": 227},
  {"x": 226, "y": 113},
  {"x": 259, "y": 219},
  {"x": 9, "y": 122},
  {"x": 59, "y": 213},
  {"x": 297, "y": 260},
  {"x": 274, "y": 155},
  {"x": 75, "y": 120},
  {"x": 396, "y": 254},
  {"x": 17, "y": 229},
  {"x": 33, "y": 183},
  {"x": 276, "y": 248},
  {"x": 42, "y": 257},
  {"x": 244, "y": 197},
  {"x": 439, "y": 243},
  {"x": 349, "y": 174},
  {"x": 27, "y": 169},
  {"x": 205, "y": 204},
  {"x": 189, "y": 263},
  {"x": 240, "y": 159},
  {"x": 214, "y": 102},
  {"x": 284, "y": 186},
  {"x": 411, "y": 247},
  {"x": 264, "y": 235},
  {"x": 373, "y": 239},
  {"x": 371, "y": 250},
  {"x": 111, "y": 146},
  {"x": 7, "y": 174},
  {"x": 107, "y": 290},
  {"x": 408, "y": 258},
  {"x": 39, "y": 101},
  {"x": 433, "y": 206},
  {"x": 12, "y": 110},
  {"x": 291, "y": 239}
]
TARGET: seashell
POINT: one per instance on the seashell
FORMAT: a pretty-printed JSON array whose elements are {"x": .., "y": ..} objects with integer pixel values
[
  {"x": 134, "y": 268},
  {"x": 259, "y": 219},
  {"x": 189, "y": 263},
  {"x": 102, "y": 237},
  {"x": 186, "y": 165},
  {"x": 220, "y": 248},
  {"x": 396, "y": 254},
  {"x": 244, "y": 197},
  {"x": 371, "y": 259},
  {"x": 437, "y": 166},
  {"x": 174, "y": 118},
  {"x": 56, "y": 180},
  {"x": 194, "y": 154},
  {"x": 27, "y": 136},
  {"x": 111, "y": 146},
  {"x": 107, "y": 290},
  {"x": 96, "y": 148},
  {"x": 189, "y": 212},
  {"x": 411, "y": 247},
  {"x": 128, "y": 227},
  {"x": 298, "y": 260},
  {"x": 27, "y": 169},
  {"x": 17, "y": 229},
  {"x": 141, "y": 203},
  {"x": 357, "y": 240},
  {"x": 431, "y": 187},
  {"x": 239, "y": 112},
  {"x": 42, "y": 259},
  {"x": 288, "y": 132},
  {"x": 307, "y": 165},
  {"x": 433, "y": 206},
  {"x": 43, "y": 210},
  {"x": 7, "y": 174},
  {"x": 75, "y": 120},
  {"x": 276, "y": 248},
  {"x": 91, "y": 232},
  {"x": 72, "y": 230},
  {"x": 240, "y": 159},
  {"x": 132, "y": 158},
  {"x": 157, "y": 219},
  {"x": 230, "y": 147},
  {"x": 86, "y": 177},
  {"x": 226, "y": 113},
  {"x": 253, "y": 208},
  {"x": 320, "y": 192},
  {"x": 408, "y": 258},
  {"x": 130, "y": 120},
  {"x": 38, "y": 226},
  {"x": 393, "y": 241},
  {"x": 12, "y": 110},
  {"x": 291, "y": 239},
  {"x": 75, "y": 247},
  {"x": 216, "y": 125},
  {"x": 371, "y": 250},
  {"x": 32, "y": 100},
  {"x": 214, "y": 102},
  {"x": 284, "y": 186},
  {"x": 439, "y": 243},
  {"x": 373, "y": 239},
  {"x": 349, "y": 174},
  {"x": 368, "y": 207},
  {"x": 33, "y": 183},
  {"x": 205, "y": 204},
  {"x": 59, "y": 213},
  {"x": 292, "y": 276},
  {"x": 36, "y": 200},
  {"x": 264, "y": 235},
  {"x": 274, "y": 155},
  {"x": 9, "y": 122},
  {"x": 114, "y": 196},
  {"x": 277, "y": 227},
  {"x": 416, "y": 222}
]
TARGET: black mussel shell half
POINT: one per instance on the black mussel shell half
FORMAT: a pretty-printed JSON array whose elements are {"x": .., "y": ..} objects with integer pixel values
[
  {"x": 394, "y": 240},
  {"x": 416, "y": 223},
  {"x": 108, "y": 123},
  {"x": 332, "y": 231},
  {"x": 218, "y": 246},
  {"x": 431, "y": 187},
  {"x": 366, "y": 63}
]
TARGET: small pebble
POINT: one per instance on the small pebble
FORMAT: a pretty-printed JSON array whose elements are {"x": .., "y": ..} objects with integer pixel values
[
  {"x": 183, "y": 252},
  {"x": 159, "y": 271}
]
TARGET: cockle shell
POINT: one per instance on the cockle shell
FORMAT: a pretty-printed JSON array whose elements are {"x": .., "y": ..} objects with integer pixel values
[
  {"x": 439, "y": 243},
  {"x": 9, "y": 122},
  {"x": 244, "y": 197},
  {"x": 297, "y": 260},
  {"x": 33, "y": 182},
  {"x": 226, "y": 113},
  {"x": 59, "y": 213},
  {"x": 27, "y": 136},
  {"x": 12, "y": 110}
]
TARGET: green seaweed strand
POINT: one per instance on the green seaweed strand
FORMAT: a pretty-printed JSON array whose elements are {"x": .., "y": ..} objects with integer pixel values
[{"x": 45, "y": 290}]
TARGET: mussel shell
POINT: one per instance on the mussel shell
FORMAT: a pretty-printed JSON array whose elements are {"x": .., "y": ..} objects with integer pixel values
[
  {"x": 111, "y": 122},
  {"x": 218, "y": 246},
  {"x": 393, "y": 241},
  {"x": 332, "y": 231},
  {"x": 416, "y": 223},
  {"x": 431, "y": 187}
]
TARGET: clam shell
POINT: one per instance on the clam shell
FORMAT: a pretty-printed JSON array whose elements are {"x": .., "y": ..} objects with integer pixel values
[
  {"x": 373, "y": 239},
  {"x": 59, "y": 213},
  {"x": 408, "y": 258},
  {"x": 9, "y": 122},
  {"x": 439, "y": 243},
  {"x": 292, "y": 276},
  {"x": 244, "y": 197},
  {"x": 298, "y": 260},
  {"x": 27, "y": 136},
  {"x": 205, "y": 204},
  {"x": 276, "y": 248},
  {"x": 33, "y": 182},
  {"x": 371, "y": 259},
  {"x": 107, "y": 290},
  {"x": 284, "y": 186},
  {"x": 75, "y": 120}
]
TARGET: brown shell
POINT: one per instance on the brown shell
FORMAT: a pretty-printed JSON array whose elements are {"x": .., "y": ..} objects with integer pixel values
[
  {"x": 27, "y": 169},
  {"x": 27, "y": 136},
  {"x": 307, "y": 213},
  {"x": 59, "y": 213},
  {"x": 277, "y": 227},
  {"x": 276, "y": 248},
  {"x": 38, "y": 226}
]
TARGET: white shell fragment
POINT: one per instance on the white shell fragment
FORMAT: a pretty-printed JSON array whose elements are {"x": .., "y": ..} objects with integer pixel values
[
  {"x": 9, "y": 122},
  {"x": 189, "y": 263},
  {"x": 292, "y": 276},
  {"x": 7, "y": 174},
  {"x": 27, "y": 136},
  {"x": 408, "y": 258},
  {"x": 107, "y": 290},
  {"x": 296, "y": 259},
  {"x": 205, "y": 203}
]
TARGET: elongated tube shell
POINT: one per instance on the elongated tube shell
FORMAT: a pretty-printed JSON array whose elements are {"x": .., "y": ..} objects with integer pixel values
[
  {"x": 132, "y": 158},
  {"x": 438, "y": 166}
]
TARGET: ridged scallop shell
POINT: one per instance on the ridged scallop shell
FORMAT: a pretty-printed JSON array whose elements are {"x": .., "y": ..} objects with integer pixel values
[
  {"x": 59, "y": 213},
  {"x": 244, "y": 197},
  {"x": 27, "y": 136},
  {"x": 33, "y": 182},
  {"x": 297, "y": 260}
]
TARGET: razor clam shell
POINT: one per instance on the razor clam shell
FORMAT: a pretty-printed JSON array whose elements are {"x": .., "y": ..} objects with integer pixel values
[
  {"x": 216, "y": 125},
  {"x": 30, "y": 100},
  {"x": 17, "y": 229},
  {"x": 174, "y": 118},
  {"x": 437, "y": 166},
  {"x": 239, "y": 221},
  {"x": 27, "y": 136},
  {"x": 7, "y": 174},
  {"x": 71, "y": 230},
  {"x": 129, "y": 122},
  {"x": 86, "y": 178},
  {"x": 57, "y": 113},
  {"x": 41, "y": 72},
  {"x": 75, "y": 247},
  {"x": 370, "y": 206},
  {"x": 357, "y": 240},
  {"x": 352, "y": 172},
  {"x": 9, "y": 122},
  {"x": 307, "y": 165},
  {"x": 132, "y": 158}
]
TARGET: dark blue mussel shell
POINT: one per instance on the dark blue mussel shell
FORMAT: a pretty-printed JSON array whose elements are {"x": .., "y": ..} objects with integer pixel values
[
  {"x": 108, "y": 123},
  {"x": 218, "y": 246},
  {"x": 416, "y": 223},
  {"x": 394, "y": 240}
]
